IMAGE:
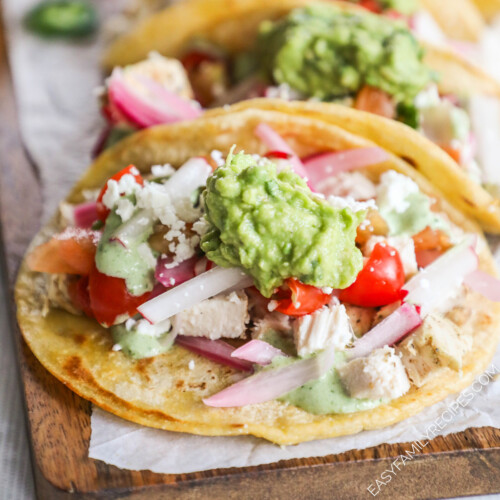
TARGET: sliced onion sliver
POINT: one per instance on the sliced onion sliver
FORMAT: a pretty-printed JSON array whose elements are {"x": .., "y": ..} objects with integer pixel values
[
  {"x": 85, "y": 214},
  {"x": 194, "y": 291},
  {"x": 485, "y": 284},
  {"x": 433, "y": 286},
  {"x": 276, "y": 143},
  {"x": 192, "y": 175},
  {"x": 177, "y": 105},
  {"x": 273, "y": 383},
  {"x": 257, "y": 351},
  {"x": 134, "y": 106},
  {"x": 215, "y": 350},
  {"x": 173, "y": 276},
  {"x": 320, "y": 167},
  {"x": 392, "y": 329},
  {"x": 134, "y": 229}
]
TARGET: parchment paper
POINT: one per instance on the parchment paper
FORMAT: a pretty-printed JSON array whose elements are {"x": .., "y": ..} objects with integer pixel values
[{"x": 54, "y": 84}]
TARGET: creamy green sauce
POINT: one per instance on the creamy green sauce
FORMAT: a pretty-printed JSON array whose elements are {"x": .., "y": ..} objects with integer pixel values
[
  {"x": 282, "y": 342},
  {"x": 325, "y": 395},
  {"x": 271, "y": 225},
  {"x": 115, "y": 260},
  {"x": 138, "y": 346},
  {"x": 327, "y": 54},
  {"x": 406, "y": 210}
]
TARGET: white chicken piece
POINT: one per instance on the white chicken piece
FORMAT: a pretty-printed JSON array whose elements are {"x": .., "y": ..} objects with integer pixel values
[
  {"x": 274, "y": 321},
  {"x": 325, "y": 327},
  {"x": 436, "y": 344},
  {"x": 224, "y": 316},
  {"x": 381, "y": 375},
  {"x": 169, "y": 73},
  {"x": 405, "y": 247}
]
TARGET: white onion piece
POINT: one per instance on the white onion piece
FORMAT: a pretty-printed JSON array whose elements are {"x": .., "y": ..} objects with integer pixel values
[
  {"x": 258, "y": 352},
  {"x": 485, "y": 117},
  {"x": 185, "y": 180},
  {"x": 485, "y": 284},
  {"x": 194, "y": 291},
  {"x": 392, "y": 329},
  {"x": 320, "y": 167},
  {"x": 433, "y": 286},
  {"x": 273, "y": 383},
  {"x": 275, "y": 142}
]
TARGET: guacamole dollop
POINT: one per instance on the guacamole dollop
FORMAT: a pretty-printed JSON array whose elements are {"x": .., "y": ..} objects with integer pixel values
[
  {"x": 327, "y": 54},
  {"x": 273, "y": 226}
]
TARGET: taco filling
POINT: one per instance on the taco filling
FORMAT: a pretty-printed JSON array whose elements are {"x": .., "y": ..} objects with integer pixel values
[
  {"x": 326, "y": 289},
  {"x": 318, "y": 53}
]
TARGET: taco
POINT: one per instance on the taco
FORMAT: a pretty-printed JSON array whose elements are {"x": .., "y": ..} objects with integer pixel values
[
  {"x": 251, "y": 48},
  {"x": 247, "y": 300},
  {"x": 488, "y": 8}
]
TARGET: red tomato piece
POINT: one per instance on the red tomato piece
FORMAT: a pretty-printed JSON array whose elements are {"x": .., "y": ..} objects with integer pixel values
[
  {"x": 194, "y": 58},
  {"x": 302, "y": 299},
  {"x": 380, "y": 281},
  {"x": 453, "y": 152},
  {"x": 78, "y": 290},
  {"x": 109, "y": 298},
  {"x": 102, "y": 210},
  {"x": 371, "y": 5},
  {"x": 65, "y": 254},
  {"x": 375, "y": 101},
  {"x": 278, "y": 154}
]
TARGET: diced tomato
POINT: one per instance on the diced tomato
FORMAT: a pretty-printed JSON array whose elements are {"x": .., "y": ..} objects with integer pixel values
[
  {"x": 78, "y": 290},
  {"x": 453, "y": 152},
  {"x": 278, "y": 154},
  {"x": 429, "y": 245},
  {"x": 102, "y": 210},
  {"x": 66, "y": 253},
  {"x": 371, "y": 5},
  {"x": 375, "y": 101},
  {"x": 427, "y": 257},
  {"x": 194, "y": 58},
  {"x": 380, "y": 281},
  {"x": 109, "y": 298},
  {"x": 300, "y": 299},
  {"x": 431, "y": 239}
]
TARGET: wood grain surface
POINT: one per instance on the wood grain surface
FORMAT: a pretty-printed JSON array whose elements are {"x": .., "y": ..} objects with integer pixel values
[{"x": 460, "y": 464}]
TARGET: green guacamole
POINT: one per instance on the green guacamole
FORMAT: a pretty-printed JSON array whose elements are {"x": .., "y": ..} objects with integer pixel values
[
  {"x": 328, "y": 54},
  {"x": 325, "y": 395},
  {"x": 271, "y": 225},
  {"x": 406, "y": 7},
  {"x": 115, "y": 260},
  {"x": 137, "y": 345}
]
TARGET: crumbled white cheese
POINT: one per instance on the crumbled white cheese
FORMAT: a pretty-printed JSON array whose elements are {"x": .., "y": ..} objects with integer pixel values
[
  {"x": 379, "y": 375},
  {"x": 283, "y": 91},
  {"x": 191, "y": 364},
  {"x": 125, "y": 209},
  {"x": 116, "y": 347},
  {"x": 217, "y": 157},
  {"x": 201, "y": 226},
  {"x": 123, "y": 187},
  {"x": 393, "y": 191},
  {"x": 327, "y": 326},
  {"x": 272, "y": 305},
  {"x": 162, "y": 170},
  {"x": 351, "y": 203},
  {"x": 353, "y": 184}
]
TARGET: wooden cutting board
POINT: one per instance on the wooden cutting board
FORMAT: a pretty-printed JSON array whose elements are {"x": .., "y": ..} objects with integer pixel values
[{"x": 467, "y": 463}]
